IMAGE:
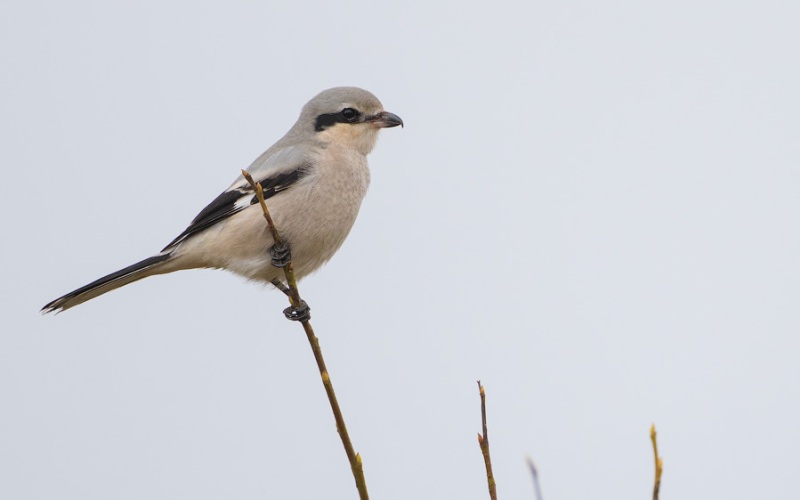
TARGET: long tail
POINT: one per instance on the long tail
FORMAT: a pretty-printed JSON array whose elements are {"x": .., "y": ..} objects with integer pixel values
[{"x": 147, "y": 267}]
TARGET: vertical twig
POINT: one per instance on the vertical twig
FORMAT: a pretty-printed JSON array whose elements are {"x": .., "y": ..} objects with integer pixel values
[
  {"x": 659, "y": 462},
  {"x": 483, "y": 441},
  {"x": 535, "y": 475},
  {"x": 356, "y": 464},
  {"x": 294, "y": 294}
]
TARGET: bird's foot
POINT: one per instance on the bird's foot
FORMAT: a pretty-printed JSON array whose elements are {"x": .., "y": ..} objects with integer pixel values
[
  {"x": 281, "y": 254},
  {"x": 299, "y": 313}
]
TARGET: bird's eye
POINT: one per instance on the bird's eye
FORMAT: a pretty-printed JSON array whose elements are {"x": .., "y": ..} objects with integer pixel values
[{"x": 350, "y": 114}]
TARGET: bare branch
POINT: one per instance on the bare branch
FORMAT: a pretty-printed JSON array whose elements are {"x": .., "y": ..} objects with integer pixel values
[
  {"x": 535, "y": 475},
  {"x": 658, "y": 461},
  {"x": 483, "y": 441},
  {"x": 292, "y": 292}
]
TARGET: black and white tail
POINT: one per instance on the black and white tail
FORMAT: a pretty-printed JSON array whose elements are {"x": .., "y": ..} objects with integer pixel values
[{"x": 147, "y": 267}]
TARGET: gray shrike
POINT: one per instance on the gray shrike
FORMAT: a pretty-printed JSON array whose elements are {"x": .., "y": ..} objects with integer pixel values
[{"x": 314, "y": 180}]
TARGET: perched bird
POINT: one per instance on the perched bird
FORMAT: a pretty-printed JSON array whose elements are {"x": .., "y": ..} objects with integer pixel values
[{"x": 314, "y": 179}]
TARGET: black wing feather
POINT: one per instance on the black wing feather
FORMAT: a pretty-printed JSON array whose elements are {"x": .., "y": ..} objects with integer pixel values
[{"x": 229, "y": 202}]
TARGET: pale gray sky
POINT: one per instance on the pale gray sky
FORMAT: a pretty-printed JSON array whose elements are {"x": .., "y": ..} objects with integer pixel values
[{"x": 593, "y": 208}]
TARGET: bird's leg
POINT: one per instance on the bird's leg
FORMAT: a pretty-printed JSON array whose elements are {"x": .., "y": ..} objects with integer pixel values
[
  {"x": 281, "y": 257},
  {"x": 281, "y": 254},
  {"x": 280, "y": 286}
]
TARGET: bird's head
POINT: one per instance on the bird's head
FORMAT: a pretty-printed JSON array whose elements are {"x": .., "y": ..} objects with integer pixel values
[{"x": 348, "y": 116}]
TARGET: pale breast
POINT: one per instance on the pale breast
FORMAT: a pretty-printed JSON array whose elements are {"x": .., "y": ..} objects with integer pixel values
[{"x": 319, "y": 213}]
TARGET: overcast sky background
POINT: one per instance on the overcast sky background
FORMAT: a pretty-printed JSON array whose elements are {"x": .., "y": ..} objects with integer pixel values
[{"x": 593, "y": 208}]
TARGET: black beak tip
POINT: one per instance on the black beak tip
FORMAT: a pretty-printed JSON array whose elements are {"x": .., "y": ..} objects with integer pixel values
[{"x": 389, "y": 120}]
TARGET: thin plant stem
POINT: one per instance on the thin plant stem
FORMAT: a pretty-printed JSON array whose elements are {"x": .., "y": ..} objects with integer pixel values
[
  {"x": 483, "y": 441},
  {"x": 292, "y": 292},
  {"x": 659, "y": 462},
  {"x": 535, "y": 475}
]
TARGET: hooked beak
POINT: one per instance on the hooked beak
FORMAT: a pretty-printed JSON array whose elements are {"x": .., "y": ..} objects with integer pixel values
[{"x": 384, "y": 119}]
